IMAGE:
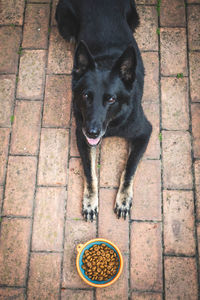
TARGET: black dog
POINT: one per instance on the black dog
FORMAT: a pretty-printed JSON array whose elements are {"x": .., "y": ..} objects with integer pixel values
[{"x": 107, "y": 84}]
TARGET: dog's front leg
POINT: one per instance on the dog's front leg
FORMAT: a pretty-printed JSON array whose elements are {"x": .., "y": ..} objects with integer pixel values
[
  {"x": 90, "y": 194},
  {"x": 125, "y": 193}
]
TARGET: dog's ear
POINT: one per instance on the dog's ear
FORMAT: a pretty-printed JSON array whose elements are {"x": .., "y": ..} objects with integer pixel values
[
  {"x": 83, "y": 60},
  {"x": 125, "y": 66}
]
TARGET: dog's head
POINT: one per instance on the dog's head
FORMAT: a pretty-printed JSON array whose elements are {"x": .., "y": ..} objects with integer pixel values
[{"x": 101, "y": 94}]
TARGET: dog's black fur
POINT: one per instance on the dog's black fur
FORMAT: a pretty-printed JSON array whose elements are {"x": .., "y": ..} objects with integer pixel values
[{"x": 107, "y": 84}]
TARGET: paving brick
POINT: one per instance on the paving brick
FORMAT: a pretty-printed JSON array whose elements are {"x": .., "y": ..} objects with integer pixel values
[
  {"x": 35, "y": 34},
  {"x": 4, "y": 142},
  {"x": 146, "y": 1},
  {"x": 195, "y": 109},
  {"x": 53, "y": 157},
  {"x": 76, "y": 295},
  {"x": 9, "y": 47},
  {"x": 110, "y": 227},
  {"x": 57, "y": 103},
  {"x": 173, "y": 51},
  {"x": 26, "y": 128},
  {"x": 12, "y": 12},
  {"x": 49, "y": 219},
  {"x": 146, "y": 296},
  {"x": 31, "y": 74},
  {"x": 194, "y": 58},
  {"x": 180, "y": 278},
  {"x": 152, "y": 112},
  {"x": 76, "y": 232},
  {"x": 14, "y": 242},
  {"x": 151, "y": 79},
  {"x": 7, "y": 89},
  {"x": 146, "y": 35},
  {"x": 147, "y": 191},
  {"x": 194, "y": 27},
  {"x": 176, "y": 160},
  {"x": 172, "y": 13},
  {"x": 73, "y": 145},
  {"x": 197, "y": 184},
  {"x": 12, "y": 293},
  {"x": 114, "y": 153},
  {"x": 44, "y": 276},
  {"x": 75, "y": 189},
  {"x": 53, "y": 19},
  {"x": 146, "y": 256},
  {"x": 119, "y": 289},
  {"x": 20, "y": 186},
  {"x": 179, "y": 222},
  {"x": 175, "y": 107},
  {"x": 60, "y": 57}
]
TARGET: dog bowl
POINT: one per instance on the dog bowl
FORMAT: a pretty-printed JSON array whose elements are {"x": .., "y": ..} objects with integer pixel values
[{"x": 81, "y": 248}]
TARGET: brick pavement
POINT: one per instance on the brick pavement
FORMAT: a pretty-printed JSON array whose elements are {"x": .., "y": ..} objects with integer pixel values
[{"x": 41, "y": 176}]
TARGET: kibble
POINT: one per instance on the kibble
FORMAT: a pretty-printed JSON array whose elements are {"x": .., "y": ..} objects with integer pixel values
[{"x": 100, "y": 262}]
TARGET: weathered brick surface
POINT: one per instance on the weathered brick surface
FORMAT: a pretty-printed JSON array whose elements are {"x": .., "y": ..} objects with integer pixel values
[
  {"x": 179, "y": 222},
  {"x": 53, "y": 19},
  {"x": 12, "y": 12},
  {"x": 114, "y": 153},
  {"x": 44, "y": 276},
  {"x": 180, "y": 278},
  {"x": 172, "y": 13},
  {"x": 31, "y": 74},
  {"x": 76, "y": 295},
  {"x": 9, "y": 47},
  {"x": 60, "y": 57},
  {"x": 49, "y": 219},
  {"x": 53, "y": 157},
  {"x": 175, "y": 107},
  {"x": 146, "y": 256},
  {"x": 14, "y": 256},
  {"x": 177, "y": 168},
  {"x": 76, "y": 232},
  {"x": 117, "y": 291},
  {"x": 197, "y": 183},
  {"x": 152, "y": 112},
  {"x": 146, "y": 296},
  {"x": 57, "y": 102},
  {"x": 26, "y": 128},
  {"x": 4, "y": 142},
  {"x": 147, "y": 191},
  {"x": 20, "y": 186},
  {"x": 194, "y": 59},
  {"x": 12, "y": 293},
  {"x": 73, "y": 145},
  {"x": 194, "y": 27},
  {"x": 7, "y": 89},
  {"x": 173, "y": 51},
  {"x": 116, "y": 230},
  {"x": 75, "y": 189},
  {"x": 146, "y": 35},
  {"x": 1, "y": 197},
  {"x": 35, "y": 33},
  {"x": 151, "y": 65},
  {"x": 195, "y": 109}
]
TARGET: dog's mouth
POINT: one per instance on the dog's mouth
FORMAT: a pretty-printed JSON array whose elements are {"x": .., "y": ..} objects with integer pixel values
[{"x": 92, "y": 142}]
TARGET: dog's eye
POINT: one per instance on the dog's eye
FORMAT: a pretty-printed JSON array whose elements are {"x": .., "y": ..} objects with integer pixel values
[
  {"x": 111, "y": 100},
  {"x": 85, "y": 96}
]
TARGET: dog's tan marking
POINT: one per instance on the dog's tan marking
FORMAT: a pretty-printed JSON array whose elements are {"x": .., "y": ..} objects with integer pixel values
[{"x": 90, "y": 195}]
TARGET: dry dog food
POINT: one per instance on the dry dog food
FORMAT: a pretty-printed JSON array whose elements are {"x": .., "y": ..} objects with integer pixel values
[{"x": 100, "y": 262}]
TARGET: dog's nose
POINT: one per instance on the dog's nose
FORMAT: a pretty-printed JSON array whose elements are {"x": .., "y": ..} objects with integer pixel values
[{"x": 93, "y": 132}]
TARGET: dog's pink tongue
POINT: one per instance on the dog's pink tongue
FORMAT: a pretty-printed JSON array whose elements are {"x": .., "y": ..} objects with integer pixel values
[{"x": 93, "y": 142}]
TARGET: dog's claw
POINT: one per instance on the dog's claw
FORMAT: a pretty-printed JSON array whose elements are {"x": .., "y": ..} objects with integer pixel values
[{"x": 123, "y": 209}]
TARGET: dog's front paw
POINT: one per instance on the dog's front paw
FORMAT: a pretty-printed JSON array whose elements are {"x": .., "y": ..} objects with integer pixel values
[
  {"x": 123, "y": 203},
  {"x": 90, "y": 206}
]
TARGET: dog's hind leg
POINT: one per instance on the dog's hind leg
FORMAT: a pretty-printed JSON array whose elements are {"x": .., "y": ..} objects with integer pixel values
[
  {"x": 125, "y": 193},
  {"x": 90, "y": 194},
  {"x": 67, "y": 20}
]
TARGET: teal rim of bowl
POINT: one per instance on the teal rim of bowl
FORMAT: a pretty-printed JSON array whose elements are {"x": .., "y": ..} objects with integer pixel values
[{"x": 81, "y": 263}]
